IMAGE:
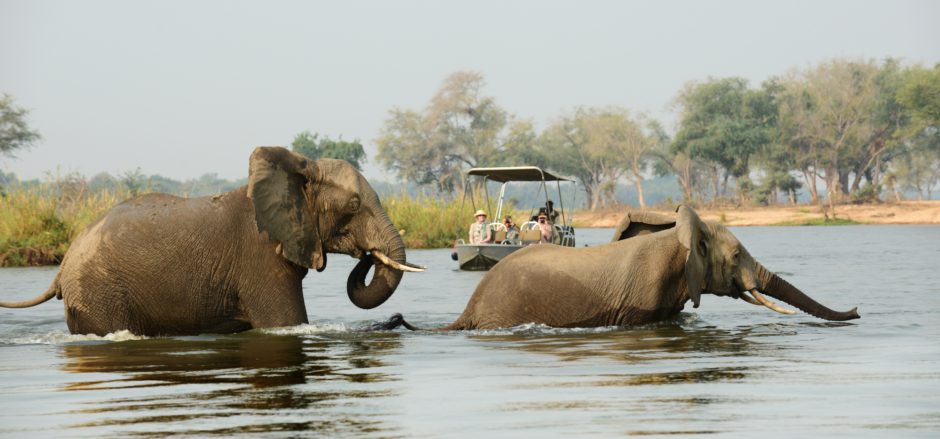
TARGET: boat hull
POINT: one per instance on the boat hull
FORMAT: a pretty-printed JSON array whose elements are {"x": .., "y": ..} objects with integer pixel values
[{"x": 482, "y": 257}]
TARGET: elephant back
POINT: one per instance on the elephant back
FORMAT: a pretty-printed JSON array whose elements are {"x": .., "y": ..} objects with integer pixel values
[{"x": 641, "y": 223}]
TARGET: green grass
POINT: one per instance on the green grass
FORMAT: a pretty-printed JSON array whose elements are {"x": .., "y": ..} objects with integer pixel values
[
  {"x": 37, "y": 226},
  {"x": 820, "y": 222},
  {"x": 429, "y": 222}
]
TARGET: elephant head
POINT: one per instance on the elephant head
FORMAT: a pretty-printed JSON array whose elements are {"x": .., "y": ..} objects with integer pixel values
[
  {"x": 314, "y": 207},
  {"x": 718, "y": 264}
]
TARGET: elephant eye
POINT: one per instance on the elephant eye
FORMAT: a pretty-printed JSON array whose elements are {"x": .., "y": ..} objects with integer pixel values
[
  {"x": 703, "y": 247},
  {"x": 353, "y": 205}
]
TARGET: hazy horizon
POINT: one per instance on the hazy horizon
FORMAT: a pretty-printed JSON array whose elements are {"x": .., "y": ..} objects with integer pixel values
[{"x": 182, "y": 89}]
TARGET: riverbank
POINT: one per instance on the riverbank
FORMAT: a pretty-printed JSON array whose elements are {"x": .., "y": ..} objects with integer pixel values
[
  {"x": 905, "y": 212},
  {"x": 37, "y": 227}
]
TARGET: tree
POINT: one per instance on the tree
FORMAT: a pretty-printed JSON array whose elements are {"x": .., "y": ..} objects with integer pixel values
[
  {"x": 920, "y": 94},
  {"x": 598, "y": 146},
  {"x": 460, "y": 128},
  {"x": 918, "y": 167},
  {"x": 846, "y": 121},
  {"x": 134, "y": 181},
  {"x": 830, "y": 107},
  {"x": 631, "y": 137},
  {"x": 315, "y": 147},
  {"x": 722, "y": 124},
  {"x": 14, "y": 131},
  {"x": 678, "y": 162},
  {"x": 569, "y": 147}
]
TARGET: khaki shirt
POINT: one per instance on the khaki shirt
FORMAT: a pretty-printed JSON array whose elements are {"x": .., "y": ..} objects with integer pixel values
[{"x": 478, "y": 232}]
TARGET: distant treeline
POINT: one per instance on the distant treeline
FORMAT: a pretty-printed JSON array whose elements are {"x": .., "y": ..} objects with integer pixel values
[
  {"x": 660, "y": 190},
  {"x": 132, "y": 182},
  {"x": 838, "y": 131},
  {"x": 842, "y": 130}
]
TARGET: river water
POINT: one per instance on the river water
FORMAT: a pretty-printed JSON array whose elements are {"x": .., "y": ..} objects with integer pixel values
[{"x": 727, "y": 369}]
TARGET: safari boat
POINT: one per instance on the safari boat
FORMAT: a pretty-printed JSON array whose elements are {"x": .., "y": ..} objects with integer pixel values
[{"x": 482, "y": 257}]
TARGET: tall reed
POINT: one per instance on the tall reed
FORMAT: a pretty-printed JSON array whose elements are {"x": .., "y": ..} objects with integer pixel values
[
  {"x": 431, "y": 222},
  {"x": 37, "y": 225}
]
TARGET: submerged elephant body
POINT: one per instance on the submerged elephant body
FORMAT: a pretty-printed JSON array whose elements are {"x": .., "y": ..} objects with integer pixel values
[
  {"x": 654, "y": 265},
  {"x": 580, "y": 287},
  {"x": 163, "y": 265},
  {"x": 202, "y": 281}
]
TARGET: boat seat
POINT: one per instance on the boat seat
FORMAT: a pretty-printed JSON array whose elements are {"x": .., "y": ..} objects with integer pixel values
[
  {"x": 530, "y": 236},
  {"x": 499, "y": 236}
]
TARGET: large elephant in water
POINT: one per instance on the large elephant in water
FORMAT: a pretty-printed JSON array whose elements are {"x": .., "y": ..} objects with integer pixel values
[
  {"x": 654, "y": 266},
  {"x": 163, "y": 265}
]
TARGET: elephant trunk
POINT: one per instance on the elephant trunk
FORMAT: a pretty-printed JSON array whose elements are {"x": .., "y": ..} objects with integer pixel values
[
  {"x": 775, "y": 286},
  {"x": 385, "y": 279}
]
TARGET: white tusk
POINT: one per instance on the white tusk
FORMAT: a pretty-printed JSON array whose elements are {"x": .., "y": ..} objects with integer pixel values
[
  {"x": 416, "y": 266},
  {"x": 749, "y": 299},
  {"x": 279, "y": 250},
  {"x": 763, "y": 300},
  {"x": 380, "y": 257}
]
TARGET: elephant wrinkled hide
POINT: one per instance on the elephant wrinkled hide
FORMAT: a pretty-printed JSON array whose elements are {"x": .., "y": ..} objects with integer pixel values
[
  {"x": 164, "y": 265},
  {"x": 652, "y": 267}
]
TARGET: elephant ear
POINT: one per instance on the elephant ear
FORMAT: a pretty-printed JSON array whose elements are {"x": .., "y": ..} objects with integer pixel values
[
  {"x": 277, "y": 179},
  {"x": 692, "y": 233},
  {"x": 641, "y": 223}
]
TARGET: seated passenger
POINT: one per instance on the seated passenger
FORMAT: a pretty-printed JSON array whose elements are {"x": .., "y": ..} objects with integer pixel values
[
  {"x": 552, "y": 213},
  {"x": 512, "y": 232},
  {"x": 545, "y": 227},
  {"x": 479, "y": 233}
]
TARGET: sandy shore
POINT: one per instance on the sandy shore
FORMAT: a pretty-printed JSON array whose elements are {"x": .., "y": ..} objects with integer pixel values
[{"x": 905, "y": 212}]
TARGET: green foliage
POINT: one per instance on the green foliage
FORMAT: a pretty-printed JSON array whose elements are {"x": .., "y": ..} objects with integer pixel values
[
  {"x": 133, "y": 181},
  {"x": 778, "y": 181},
  {"x": 14, "y": 131},
  {"x": 433, "y": 222},
  {"x": 867, "y": 193},
  {"x": 460, "y": 128},
  {"x": 820, "y": 222},
  {"x": 920, "y": 93},
  {"x": 722, "y": 124},
  {"x": 315, "y": 147},
  {"x": 842, "y": 121},
  {"x": 37, "y": 225},
  {"x": 598, "y": 146},
  {"x": 918, "y": 168}
]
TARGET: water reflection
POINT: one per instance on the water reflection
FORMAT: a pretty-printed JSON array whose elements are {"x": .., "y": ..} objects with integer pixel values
[
  {"x": 631, "y": 345},
  {"x": 708, "y": 354},
  {"x": 190, "y": 385}
]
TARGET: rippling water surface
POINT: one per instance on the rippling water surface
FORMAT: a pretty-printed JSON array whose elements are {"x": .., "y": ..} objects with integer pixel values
[{"x": 725, "y": 369}]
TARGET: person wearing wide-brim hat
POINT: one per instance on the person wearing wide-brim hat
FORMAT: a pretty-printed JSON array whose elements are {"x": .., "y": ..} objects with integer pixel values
[
  {"x": 545, "y": 227},
  {"x": 479, "y": 233}
]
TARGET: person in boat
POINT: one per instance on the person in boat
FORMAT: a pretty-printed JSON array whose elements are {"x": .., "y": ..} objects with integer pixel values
[
  {"x": 512, "y": 231},
  {"x": 545, "y": 227},
  {"x": 550, "y": 210},
  {"x": 479, "y": 232}
]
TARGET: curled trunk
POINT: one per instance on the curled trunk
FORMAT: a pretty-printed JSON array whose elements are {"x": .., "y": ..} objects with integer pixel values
[
  {"x": 385, "y": 279},
  {"x": 774, "y": 286}
]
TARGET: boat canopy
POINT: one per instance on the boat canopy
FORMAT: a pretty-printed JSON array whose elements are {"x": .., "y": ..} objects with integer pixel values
[{"x": 516, "y": 173}]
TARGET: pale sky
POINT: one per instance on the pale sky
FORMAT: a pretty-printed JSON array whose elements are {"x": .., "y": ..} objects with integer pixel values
[{"x": 182, "y": 88}]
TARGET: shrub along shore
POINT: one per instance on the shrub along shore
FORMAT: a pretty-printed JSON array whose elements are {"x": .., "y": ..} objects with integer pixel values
[
  {"x": 903, "y": 212},
  {"x": 38, "y": 224}
]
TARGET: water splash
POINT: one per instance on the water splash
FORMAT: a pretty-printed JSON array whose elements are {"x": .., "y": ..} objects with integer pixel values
[
  {"x": 61, "y": 337},
  {"x": 310, "y": 329}
]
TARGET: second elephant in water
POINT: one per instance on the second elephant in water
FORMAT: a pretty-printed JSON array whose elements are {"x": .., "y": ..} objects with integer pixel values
[{"x": 654, "y": 266}]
